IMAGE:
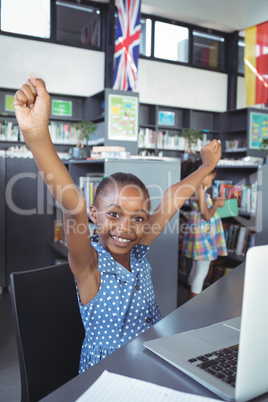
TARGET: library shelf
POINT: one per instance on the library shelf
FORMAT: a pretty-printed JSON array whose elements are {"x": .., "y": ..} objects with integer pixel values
[
  {"x": 254, "y": 222},
  {"x": 235, "y": 257},
  {"x": 60, "y": 248},
  {"x": 233, "y": 150}
]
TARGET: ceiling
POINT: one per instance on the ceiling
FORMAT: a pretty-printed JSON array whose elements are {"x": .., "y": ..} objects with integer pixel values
[{"x": 222, "y": 15}]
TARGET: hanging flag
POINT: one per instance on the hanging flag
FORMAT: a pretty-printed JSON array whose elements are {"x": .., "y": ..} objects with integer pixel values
[
  {"x": 127, "y": 42},
  {"x": 256, "y": 64}
]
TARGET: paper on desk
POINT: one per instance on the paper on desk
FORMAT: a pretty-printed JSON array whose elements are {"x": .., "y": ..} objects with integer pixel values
[{"x": 110, "y": 387}]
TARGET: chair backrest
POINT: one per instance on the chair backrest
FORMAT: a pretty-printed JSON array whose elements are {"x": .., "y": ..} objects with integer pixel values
[{"x": 48, "y": 326}]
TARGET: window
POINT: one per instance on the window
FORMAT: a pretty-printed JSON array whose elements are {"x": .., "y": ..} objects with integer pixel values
[
  {"x": 208, "y": 50},
  {"x": 146, "y": 37},
  {"x": 171, "y": 42},
  {"x": 26, "y": 17},
  {"x": 78, "y": 24},
  {"x": 240, "y": 63}
]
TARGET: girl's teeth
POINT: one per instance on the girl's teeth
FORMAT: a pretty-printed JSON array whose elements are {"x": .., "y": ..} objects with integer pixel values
[{"x": 121, "y": 240}]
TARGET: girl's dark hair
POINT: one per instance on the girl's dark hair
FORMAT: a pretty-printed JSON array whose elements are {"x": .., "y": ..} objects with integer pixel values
[
  {"x": 120, "y": 179},
  {"x": 189, "y": 166}
]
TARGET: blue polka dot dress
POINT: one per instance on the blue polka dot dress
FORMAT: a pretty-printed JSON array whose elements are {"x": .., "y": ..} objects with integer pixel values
[{"x": 124, "y": 307}]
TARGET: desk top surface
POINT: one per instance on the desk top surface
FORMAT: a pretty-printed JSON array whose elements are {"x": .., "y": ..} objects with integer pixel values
[{"x": 220, "y": 301}]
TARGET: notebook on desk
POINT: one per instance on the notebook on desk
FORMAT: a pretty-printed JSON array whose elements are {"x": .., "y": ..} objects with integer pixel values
[{"x": 231, "y": 357}]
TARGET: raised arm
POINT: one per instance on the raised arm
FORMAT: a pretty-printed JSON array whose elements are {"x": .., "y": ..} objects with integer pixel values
[
  {"x": 32, "y": 108},
  {"x": 206, "y": 211},
  {"x": 176, "y": 195}
]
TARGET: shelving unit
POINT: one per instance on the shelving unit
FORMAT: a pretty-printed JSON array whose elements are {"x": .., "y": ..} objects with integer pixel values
[
  {"x": 161, "y": 128},
  {"x": 163, "y": 254},
  {"x": 235, "y": 133},
  {"x": 231, "y": 127},
  {"x": 9, "y": 130},
  {"x": 256, "y": 222},
  {"x": 65, "y": 112}
]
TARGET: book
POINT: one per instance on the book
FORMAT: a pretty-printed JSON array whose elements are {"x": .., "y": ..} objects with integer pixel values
[
  {"x": 88, "y": 186},
  {"x": 230, "y": 208},
  {"x": 216, "y": 189},
  {"x": 248, "y": 198},
  {"x": 108, "y": 149},
  {"x": 58, "y": 231},
  {"x": 224, "y": 189},
  {"x": 240, "y": 241},
  {"x": 235, "y": 192}
]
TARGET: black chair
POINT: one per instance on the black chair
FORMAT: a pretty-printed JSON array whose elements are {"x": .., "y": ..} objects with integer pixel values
[{"x": 48, "y": 326}]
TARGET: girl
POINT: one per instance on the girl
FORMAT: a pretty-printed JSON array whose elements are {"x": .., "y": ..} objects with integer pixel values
[
  {"x": 113, "y": 277},
  {"x": 204, "y": 239}
]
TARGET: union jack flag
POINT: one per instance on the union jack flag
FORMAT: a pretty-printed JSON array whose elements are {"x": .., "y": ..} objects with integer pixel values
[{"x": 127, "y": 44}]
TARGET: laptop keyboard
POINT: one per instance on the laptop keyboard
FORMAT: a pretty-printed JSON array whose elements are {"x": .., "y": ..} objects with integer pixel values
[{"x": 220, "y": 363}]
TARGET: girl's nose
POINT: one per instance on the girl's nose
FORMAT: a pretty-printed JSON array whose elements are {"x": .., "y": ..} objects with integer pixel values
[{"x": 125, "y": 224}]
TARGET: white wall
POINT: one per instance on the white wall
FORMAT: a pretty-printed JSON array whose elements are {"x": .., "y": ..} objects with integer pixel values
[
  {"x": 176, "y": 85},
  {"x": 66, "y": 70},
  {"x": 74, "y": 71}
]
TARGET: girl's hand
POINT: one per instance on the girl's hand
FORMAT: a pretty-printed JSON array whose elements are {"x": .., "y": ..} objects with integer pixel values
[
  {"x": 32, "y": 108},
  {"x": 211, "y": 154},
  {"x": 220, "y": 201}
]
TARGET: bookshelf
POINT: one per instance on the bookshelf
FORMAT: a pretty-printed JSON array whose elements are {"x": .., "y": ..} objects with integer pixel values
[
  {"x": 234, "y": 128},
  {"x": 249, "y": 228},
  {"x": 237, "y": 132},
  {"x": 161, "y": 128},
  {"x": 163, "y": 255},
  {"x": 65, "y": 112}
]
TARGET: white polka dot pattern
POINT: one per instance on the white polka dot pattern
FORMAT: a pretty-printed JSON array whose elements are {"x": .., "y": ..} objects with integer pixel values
[{"x": 124, "y": 307}]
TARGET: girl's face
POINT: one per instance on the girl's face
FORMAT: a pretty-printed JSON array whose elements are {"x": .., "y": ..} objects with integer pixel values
[
  {"x": 208, "y": 180},
  {"x": 120, "y": 217}
]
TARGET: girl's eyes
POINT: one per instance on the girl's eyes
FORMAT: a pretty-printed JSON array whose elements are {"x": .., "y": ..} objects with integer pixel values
[
  {"x": 116, "y": 215},
  {"x": 138, "y": 219}
]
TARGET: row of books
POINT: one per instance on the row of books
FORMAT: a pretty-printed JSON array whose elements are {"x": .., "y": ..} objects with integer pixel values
[
  {"x": 246, "y": 194},
  {"x": 235, "y": 144},
  {"x": 115, "y": 152},
  {"x": 164, "y": 140},
  {"x": 63, "y": 133},
  {"x": 59, "y": 236},
  {"x": 9, "y": 131},
  {"x": 238, "y": 238},
  {"x": 88, "y": 186},
  {"x": 185, "y": 265},
  {"x": 217, "y": 269}
]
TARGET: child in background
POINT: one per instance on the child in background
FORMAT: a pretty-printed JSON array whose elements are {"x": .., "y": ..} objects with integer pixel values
[
  {"x": 204, "y": 239},
  {"x": 113, "y": 278}
]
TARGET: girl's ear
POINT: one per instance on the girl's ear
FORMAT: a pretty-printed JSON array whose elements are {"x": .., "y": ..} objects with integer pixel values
[{"x": 93, "y": 213}]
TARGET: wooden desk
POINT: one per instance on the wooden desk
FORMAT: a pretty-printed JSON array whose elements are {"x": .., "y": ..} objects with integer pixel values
[{"x": 220, "y": 301}]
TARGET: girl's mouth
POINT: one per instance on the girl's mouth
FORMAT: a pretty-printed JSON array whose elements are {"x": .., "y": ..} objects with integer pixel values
[{"x": 121, "y": 240}]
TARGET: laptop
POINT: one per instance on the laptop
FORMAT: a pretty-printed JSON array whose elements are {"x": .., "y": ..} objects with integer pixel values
[{"x": 230, "y": 357}]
